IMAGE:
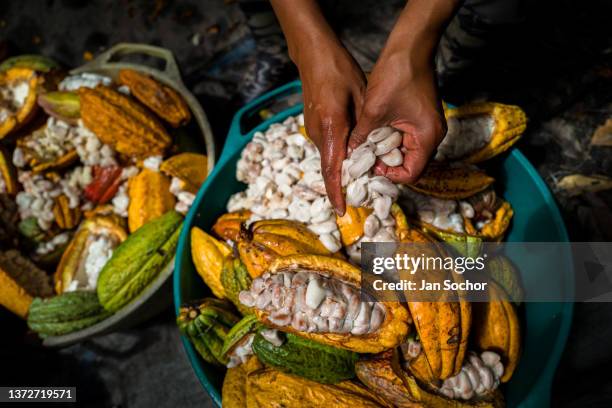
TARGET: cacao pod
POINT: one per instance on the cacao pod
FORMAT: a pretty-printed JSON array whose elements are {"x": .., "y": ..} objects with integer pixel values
[
  {"x": 206, "y": 325},
  {"x": 150, "y": 197},
  {"x": 8, "y": 182},
  {"x": 497, "y": 328},
  {"x": 208, "y": 256},
  {"x": 20, "y": 281},
  {"x": 234, "y": 384},
  {"x": 65, "y": 313},
  {"x": 228, "y": 225},
  {"x": 161, "y": 99},
  {"x": 234, "y": 279},
  {"x": 21, "y": 105},
  {"x": 391, "y": 331},
  {"x": 451, "y": 181},
  {"x": 73, "y": 262},
  {"x": 66, "y": 217},
  {"x": 271, "y": 388},
  {"x": 38, "y": 63},
  {"x": 122, "y": 123},
  {"x": 65, "y": 106},
  {"x": 265, "y": 240},
  {"x": 351, "y": 224},
  {"x": 138, "y": 260},
  {"x": 190, "y": 168}
]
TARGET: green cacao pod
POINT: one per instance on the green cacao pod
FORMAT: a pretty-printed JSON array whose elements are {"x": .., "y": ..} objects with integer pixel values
[
  {"x": 306, "y": 358},
  {"x": 34, "y": 62},
  {"x": 206, "y": 324},
  {"x": 65, "y": 313},
  {"x": 235, "y": 278},
  {"x": 138, "y": 261},
  {"x": 248, "y": 324}
]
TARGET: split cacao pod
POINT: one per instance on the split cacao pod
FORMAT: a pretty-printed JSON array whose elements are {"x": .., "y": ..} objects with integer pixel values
[
  {"x": 122, "y": 123},
  {"x": 22, "y": 110},
  {"x": 234, "y": 279},
  {"x": 452, "y": 181},
  {"x": 264, "y": 241},
  {"x": 392, "y": 331},
  {"x": 150, "y": 197},
  {"x": 190, "y": 168},
  {"x": 65, "y": 106},
  {"x": 72, "y": 263},
  {"x": 65, "y": 217},
  {"x": 167, "y": 103},
  {"x": 351, "y": 224},
  {"x": 228, "y": 225}
]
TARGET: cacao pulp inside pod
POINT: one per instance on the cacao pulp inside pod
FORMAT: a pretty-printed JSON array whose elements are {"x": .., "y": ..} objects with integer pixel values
[
  {"x": 190, "y": 168},
  {"x": 79, "y": 258},
  {"x": 228, "y": 225},
  {"x": 429, "y": 398},
  {"x": 49, "y": 160},
  {"x": 264, "y": 241},
  {"x": 271, "y": 388},
  {"x": 20, "y": 281},
  {"x": 209, "y": 255},
  {"x": 282, "y": 299},
  {"x": 8, "y": 184},
  {"x": 122, "y": 123},
  {"x": 497, "y": 328},
  {"x": 457, "y": 181},
  {"x": 161, "y": 99},
  {"x": 150, "y": 197},
  {"x": 479, "y": 131},
  {"x": 206, "y": 324},
  {"x": 18, "y": 91}
]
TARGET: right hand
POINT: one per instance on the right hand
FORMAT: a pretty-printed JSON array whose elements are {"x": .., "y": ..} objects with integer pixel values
[{"x": 333, "y": 89}]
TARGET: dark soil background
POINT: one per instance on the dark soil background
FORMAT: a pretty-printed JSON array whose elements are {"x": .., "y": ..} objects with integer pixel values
[{"x": 556, "y": 64}]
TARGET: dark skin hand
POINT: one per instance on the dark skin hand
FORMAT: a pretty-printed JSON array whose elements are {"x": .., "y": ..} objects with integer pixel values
[{"x": 401, "y": 90}]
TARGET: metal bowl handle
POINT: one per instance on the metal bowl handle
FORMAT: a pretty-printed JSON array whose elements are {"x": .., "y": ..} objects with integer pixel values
[{"x": 115, "y": 53}]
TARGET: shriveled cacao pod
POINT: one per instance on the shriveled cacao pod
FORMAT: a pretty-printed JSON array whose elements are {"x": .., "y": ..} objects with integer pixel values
[
  {"x": 122, "y": 123},
  {"x": 452, "y": 182},
  {"x": 228, "y": 225},
  {"x": 161, "y": 99},
  {"x": 66, "y": 217},
  {"x": 150, "y": 198},
  {"x": 20, "y": 106},
  {"x": 190, "y": 168},
  {"x": 497, "y": 328},
  {"x": 209, "y": 255}
]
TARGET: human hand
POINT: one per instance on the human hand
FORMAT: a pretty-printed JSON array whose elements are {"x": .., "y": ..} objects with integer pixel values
[
  {"x": 405, "y": 98},
  {"x": 333, "y": 87}
]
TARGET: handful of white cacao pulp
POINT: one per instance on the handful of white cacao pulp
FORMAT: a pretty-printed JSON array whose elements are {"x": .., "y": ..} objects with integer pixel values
[{"x": 364, "y": 189}]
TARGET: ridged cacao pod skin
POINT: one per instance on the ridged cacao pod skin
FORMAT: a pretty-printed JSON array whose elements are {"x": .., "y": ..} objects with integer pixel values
[
  {"x": 234, "y": 279},
  {"x": 161, "y": 99},
  {"x": 150, "y": 197},
  {"x": 307, "y": 359},
  {"x": 271, "y": 388},
  {"x": 234, "y": 384},
  {"x": 29, "y": 108},
  {"x": 454, "y": 182},
  {"x": 122, "y": 123},
  {"x": 190, "y": 168},
  {"x": 65, "y": 313},
  {"x": 206, "y": 324},
  {"x": 227, "y": 226},
  {"x": 138, "y": 261},
  {"x": 264, "y": 241},
  {"x": 392, "y": 332},
  {"x": 497, "y": 328}
]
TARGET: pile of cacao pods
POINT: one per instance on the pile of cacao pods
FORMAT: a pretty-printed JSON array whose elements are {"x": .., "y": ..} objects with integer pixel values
[
  {"x": 93, "y": 186},
  {"x": 288, "y": 320}
]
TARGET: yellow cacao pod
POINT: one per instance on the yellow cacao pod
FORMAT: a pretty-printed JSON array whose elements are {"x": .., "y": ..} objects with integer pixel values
[
  {"x": 150, "y": 198},
  {"x": 20, "y": 103},
  {"x": 190, "y": 168},
  {"x": 209, "y": 255}
]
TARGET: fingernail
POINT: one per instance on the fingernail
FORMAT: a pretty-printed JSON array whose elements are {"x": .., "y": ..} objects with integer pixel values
[{"x": 339, "y": 212}]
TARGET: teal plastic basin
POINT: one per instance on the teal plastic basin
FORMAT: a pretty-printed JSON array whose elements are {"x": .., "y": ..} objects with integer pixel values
[{"x": 536, "y": 219}]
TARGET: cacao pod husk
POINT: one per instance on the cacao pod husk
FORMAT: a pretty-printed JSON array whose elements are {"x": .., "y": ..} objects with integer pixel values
[
  {"x": 150, "y": 197},
  {"x": 228, "y": 225},
  {"x": 454, "y": 182},
  {"x": 209, "y": 255},
  {"x": 190, "y": 168},
  {"x": 27, "y": 110},
  {"x": 65, "y": 106},
  {"x": 66, "y": 217}
]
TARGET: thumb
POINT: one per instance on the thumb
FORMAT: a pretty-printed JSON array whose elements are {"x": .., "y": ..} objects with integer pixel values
[{"x": 368, "y": 120}]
